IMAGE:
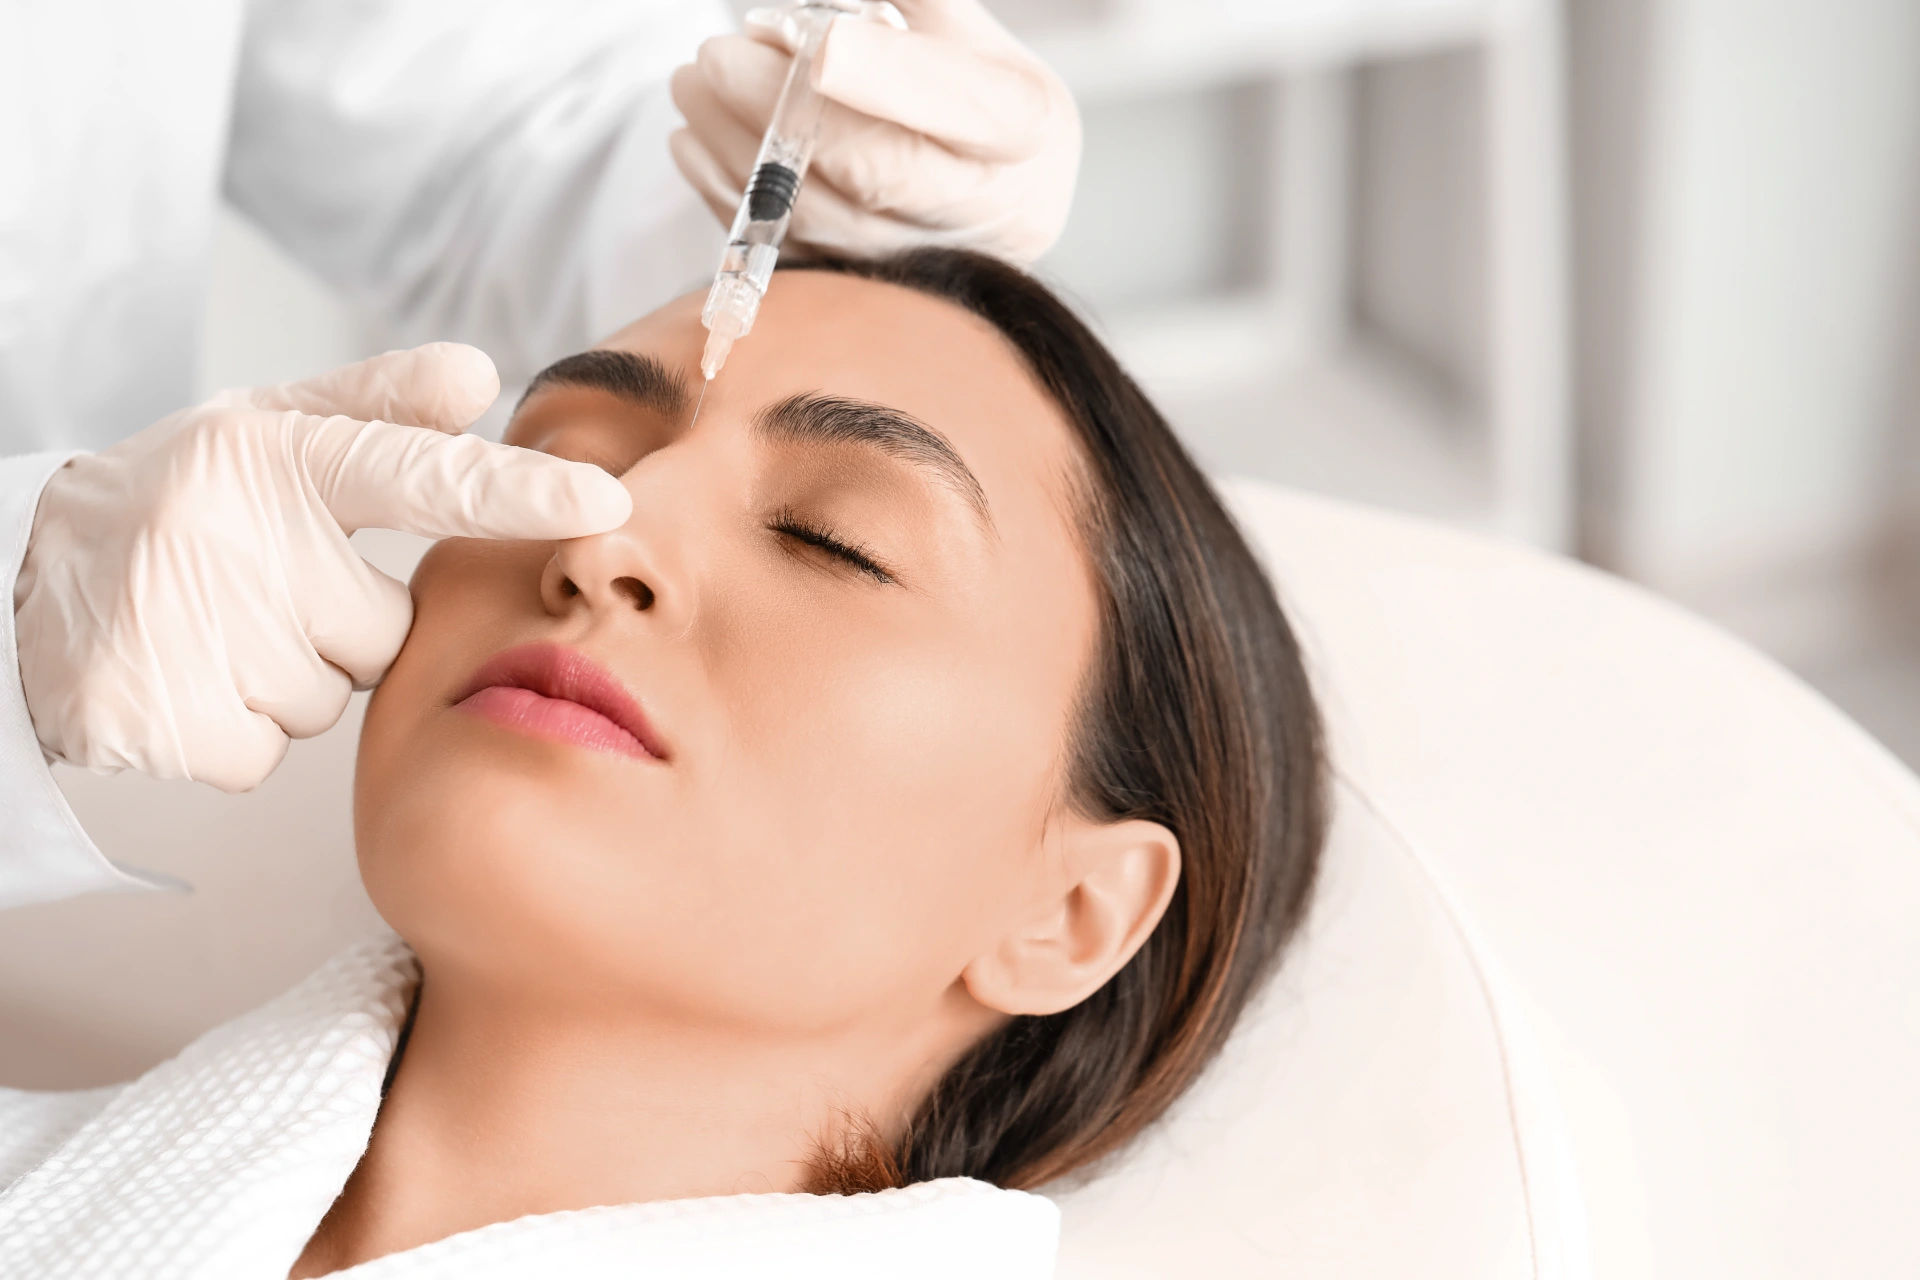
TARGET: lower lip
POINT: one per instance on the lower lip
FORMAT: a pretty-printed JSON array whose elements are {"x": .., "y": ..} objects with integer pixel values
[{"x": 554, "y": 719}]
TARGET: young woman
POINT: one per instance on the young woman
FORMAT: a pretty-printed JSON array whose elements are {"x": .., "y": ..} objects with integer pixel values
[{"x": 906, "y": 800}]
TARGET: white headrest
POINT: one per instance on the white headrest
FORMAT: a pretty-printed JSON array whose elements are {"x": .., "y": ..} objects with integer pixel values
[
  {"x": 1382, "y": 1112},
  {"x": 1701, "y": 879}
]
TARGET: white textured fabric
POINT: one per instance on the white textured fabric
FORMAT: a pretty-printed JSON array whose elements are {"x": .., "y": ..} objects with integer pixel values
[
  {"x": 33, "y": 1125},
  {"x": 220, "y": 1162}
]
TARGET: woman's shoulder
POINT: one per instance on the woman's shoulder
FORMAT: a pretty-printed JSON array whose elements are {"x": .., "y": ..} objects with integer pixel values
[{"x": 34, "y": 1124}]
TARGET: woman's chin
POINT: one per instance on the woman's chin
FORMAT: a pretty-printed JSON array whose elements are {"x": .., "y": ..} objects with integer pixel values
[{"x": 495, "y": 830}]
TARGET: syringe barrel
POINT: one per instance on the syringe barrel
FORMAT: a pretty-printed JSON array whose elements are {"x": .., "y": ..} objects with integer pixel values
[{"x": 766, "y": 210}]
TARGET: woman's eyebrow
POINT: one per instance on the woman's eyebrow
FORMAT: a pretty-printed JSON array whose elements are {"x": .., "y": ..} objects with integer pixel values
[
  {"x": 822, "y": 419},
  {"x": 638, "y": 379}
]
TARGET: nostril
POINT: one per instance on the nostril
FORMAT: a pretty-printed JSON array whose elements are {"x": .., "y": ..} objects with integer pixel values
[
  {"x": 635, "y": 590},
  {"x": 569, "y": 588}
]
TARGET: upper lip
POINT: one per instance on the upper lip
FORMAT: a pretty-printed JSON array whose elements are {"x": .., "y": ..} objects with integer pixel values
[{"x": 555, "y": 671}]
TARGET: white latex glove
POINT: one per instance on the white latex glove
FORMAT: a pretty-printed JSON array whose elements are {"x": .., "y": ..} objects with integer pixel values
[
  {"x": 950, "y": 132},
  {"x": 189, "y": 599}
]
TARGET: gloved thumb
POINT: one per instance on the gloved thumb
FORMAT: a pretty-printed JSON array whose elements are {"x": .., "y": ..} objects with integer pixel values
[
  {"x": 382, "y": 475},
  {"x": 442, "y": 385}
]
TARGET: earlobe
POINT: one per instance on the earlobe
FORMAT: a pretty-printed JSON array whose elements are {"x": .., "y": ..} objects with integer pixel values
[{"x": 1117, "y": 879}]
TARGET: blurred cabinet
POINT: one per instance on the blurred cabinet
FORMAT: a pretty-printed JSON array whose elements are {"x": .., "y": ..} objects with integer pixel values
[{"x": 1217, "y": 235}]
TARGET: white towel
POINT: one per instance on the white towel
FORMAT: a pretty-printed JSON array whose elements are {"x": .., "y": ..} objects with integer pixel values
[{"x": 222, "y": 1161}]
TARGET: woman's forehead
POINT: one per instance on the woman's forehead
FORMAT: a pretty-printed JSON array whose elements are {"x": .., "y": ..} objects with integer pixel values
[{"x": 844, "y": 336}]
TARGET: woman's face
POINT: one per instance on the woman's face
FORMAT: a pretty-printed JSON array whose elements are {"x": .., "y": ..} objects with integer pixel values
[{"x": 853, "y": 611}]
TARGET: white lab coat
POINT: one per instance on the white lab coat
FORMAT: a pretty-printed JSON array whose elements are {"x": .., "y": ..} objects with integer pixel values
[
  {"x": 493, "y": 171},
  {"x": 221, "y": 1162}
]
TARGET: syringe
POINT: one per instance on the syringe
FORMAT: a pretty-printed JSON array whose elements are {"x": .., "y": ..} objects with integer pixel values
[{"x": 753, "y": 246}]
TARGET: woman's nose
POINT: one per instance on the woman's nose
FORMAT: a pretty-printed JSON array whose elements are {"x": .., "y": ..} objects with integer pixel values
[{"x": 630, "y": 570}]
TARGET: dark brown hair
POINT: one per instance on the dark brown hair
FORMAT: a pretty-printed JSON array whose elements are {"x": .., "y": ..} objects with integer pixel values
[{"x": 1197, "y": 715}]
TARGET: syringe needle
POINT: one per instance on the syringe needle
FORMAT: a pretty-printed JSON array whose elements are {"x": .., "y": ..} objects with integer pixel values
[{"x": 704, "y": 383}]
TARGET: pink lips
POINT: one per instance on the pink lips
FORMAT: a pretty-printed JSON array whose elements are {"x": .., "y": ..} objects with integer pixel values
[{"x": 547, "y": 690}]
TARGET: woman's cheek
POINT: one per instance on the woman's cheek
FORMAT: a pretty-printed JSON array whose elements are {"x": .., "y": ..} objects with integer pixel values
[{"x": 916, "y": 786}]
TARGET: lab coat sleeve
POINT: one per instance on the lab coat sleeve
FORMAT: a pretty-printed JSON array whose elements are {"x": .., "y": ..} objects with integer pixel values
[
  {"x": 44, "y": 854},
  {"x": 488, "y": 171}
]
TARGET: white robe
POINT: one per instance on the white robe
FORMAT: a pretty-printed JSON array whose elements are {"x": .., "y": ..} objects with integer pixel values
[{"x": 221, "y": 1162}]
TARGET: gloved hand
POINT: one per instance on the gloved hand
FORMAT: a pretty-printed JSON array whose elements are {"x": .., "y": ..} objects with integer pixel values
[
  {"x": 950, "y": 132},
  {"x": 189, "y": 599}
]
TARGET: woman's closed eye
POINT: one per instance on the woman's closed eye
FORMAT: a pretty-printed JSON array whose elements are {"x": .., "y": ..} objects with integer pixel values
[{"x": 797, "y": 531}]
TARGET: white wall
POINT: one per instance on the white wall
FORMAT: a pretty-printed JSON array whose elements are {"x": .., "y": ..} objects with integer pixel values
[
  {"x": 1779, "y": 215},
  {"x": 1420, "y": 218},
  {"x": 1190, "y": 152}
]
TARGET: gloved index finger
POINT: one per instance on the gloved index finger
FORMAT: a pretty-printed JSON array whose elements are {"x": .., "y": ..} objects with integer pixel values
[
  {"x": 442, "y": 385},
  {"x": 382, "y": 475}
]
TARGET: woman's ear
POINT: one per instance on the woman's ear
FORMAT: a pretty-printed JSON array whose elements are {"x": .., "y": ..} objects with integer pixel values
[{"x": 1116, "y": 880}]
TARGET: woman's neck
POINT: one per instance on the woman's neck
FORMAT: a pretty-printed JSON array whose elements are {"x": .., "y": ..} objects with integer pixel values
[{"x": 504, "y": 1107}]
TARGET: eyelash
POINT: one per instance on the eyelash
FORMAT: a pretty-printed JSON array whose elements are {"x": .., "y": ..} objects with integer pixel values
[{"x": 790, "y": 525}]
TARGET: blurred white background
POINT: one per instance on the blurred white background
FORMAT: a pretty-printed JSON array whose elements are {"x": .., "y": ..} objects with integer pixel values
[{"x": 1634, "y": 279}]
